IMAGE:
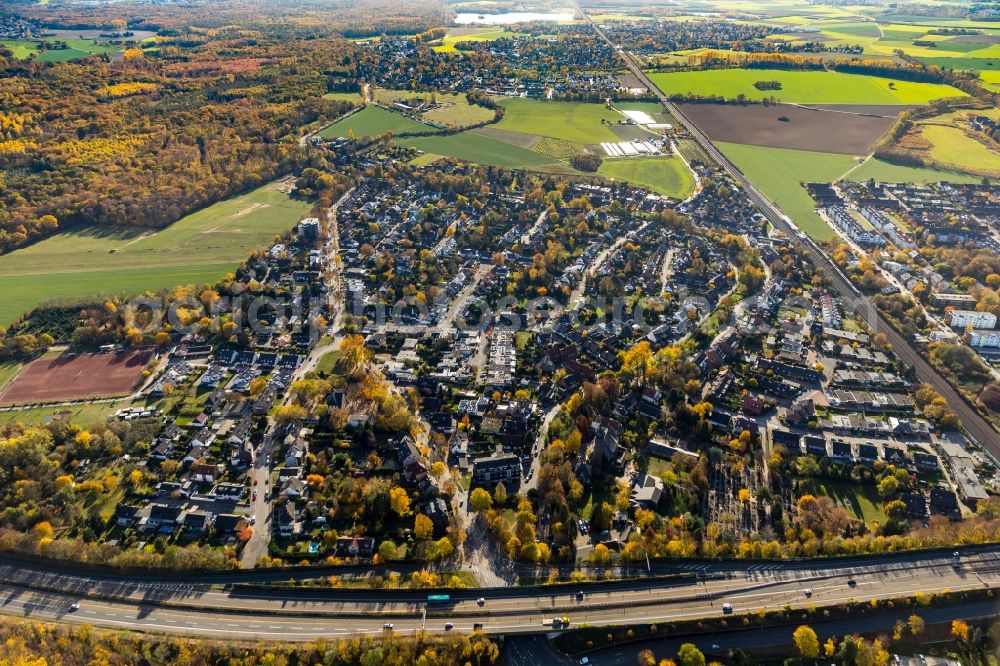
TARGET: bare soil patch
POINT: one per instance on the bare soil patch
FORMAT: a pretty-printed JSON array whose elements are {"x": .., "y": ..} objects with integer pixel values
[
  {"x": 847, "y": 130},
  {"x": 66, "y": 378}
]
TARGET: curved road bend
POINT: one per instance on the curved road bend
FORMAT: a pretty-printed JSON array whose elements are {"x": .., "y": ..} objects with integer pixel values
[
  {"x": 207, "y": 610},
  {"x": 975, "y": 424}
]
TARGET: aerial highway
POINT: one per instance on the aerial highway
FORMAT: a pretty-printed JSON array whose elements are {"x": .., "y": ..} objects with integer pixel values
[
  {"x": 975, "y": 424},
  {"x": 176, "y": 605}
]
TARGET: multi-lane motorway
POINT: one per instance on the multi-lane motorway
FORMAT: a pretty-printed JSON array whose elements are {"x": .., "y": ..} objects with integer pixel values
[
  {"x": 213, "y": 609},
  {"x": 977, "y": 426}
]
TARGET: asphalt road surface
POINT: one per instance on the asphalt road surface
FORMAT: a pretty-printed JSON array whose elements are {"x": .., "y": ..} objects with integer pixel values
[
  {"x": 975, "y": 424},
  {"x": 198, "y": 608}
]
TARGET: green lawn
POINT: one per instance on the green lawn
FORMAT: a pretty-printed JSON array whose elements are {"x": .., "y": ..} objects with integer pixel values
[
  {"x": 668, "y": 176},
  {"x": 373, "y": 121},
  {"x": 474, "y": 147},
  {"x": 778, "y": 172},
  {"x": 861, "y": 500},
  {"x": 804, "y": 87},
  {"x": 579, "y": 122},
  {"x": 201, "y": 247}
]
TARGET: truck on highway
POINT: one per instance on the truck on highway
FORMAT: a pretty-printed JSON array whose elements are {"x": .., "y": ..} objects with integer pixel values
[{"x": 438, "y": 599}]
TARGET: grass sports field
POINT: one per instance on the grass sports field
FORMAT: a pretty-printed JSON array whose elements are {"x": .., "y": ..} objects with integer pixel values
[
  {"x": 668, "y": 176},
  {"x": 474, "y": 147},
  {"x": 579, "y": 122},
  {"x": 201, "y": 247},
  {"x": 373, "y": 121},
  {"x": 802, "y": 87}
]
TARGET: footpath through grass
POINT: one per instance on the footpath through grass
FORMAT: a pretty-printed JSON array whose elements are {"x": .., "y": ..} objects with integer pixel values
[{"x": 201, "y": 247}]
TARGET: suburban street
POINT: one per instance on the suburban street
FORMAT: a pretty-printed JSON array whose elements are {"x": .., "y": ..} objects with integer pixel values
[
  {"x": 976, "y": 425},
  {"x": 193, "y": 607}
]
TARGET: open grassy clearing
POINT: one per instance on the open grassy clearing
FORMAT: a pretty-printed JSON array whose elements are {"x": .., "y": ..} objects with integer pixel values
[
  {"x": 778, "y": 172},
  {"x": 373, "y": 121},
  {"x": 7, "y": 371},
  {"x": 353, "y": 97},
  {"x": 478, "y": 148},
  {"x": 895, "y": 173},
  {"x": 201, "y": 247},
  {"x": 950, "y": 146},
  {"x": 991, "y": 80},
  {"x": 664, "y": 175},
  {"x": 803, "y": 87},
  {"x": 21, "y": 48},
  {"x": 425, "y": 159}
]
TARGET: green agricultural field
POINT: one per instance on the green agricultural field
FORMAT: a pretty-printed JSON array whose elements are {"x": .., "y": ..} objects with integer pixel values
[
  {"x": 474, "y": 147},
  {"x": 454, "y": 110},
  {"x": 474, "y": 34},
  {"x": 78, "y": 48},
  {"x": 668, "y": 176},
  {"x": 803, "y": 87},
  {"x": 201, "y": 247},
  {"x": 373, "y": 121},
  {"x": 778, "y": 172},
  {"x": 21, "y": 48},
  {"x": 61, "y": 55},
  {"x": 557, "y": 148},
  {"x": 991, "y": 80},
  {"x": 579, "y": 122}
]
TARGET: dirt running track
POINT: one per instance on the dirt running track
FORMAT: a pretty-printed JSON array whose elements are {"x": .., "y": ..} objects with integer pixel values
[
  {"x": 64, "y": 378},
  {"x": 828, "y": 130}
]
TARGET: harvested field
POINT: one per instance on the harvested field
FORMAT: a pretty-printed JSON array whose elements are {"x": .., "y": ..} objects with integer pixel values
[
  {"x": 849, "y": 130},
  {"x": 65, "y": 378}
]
